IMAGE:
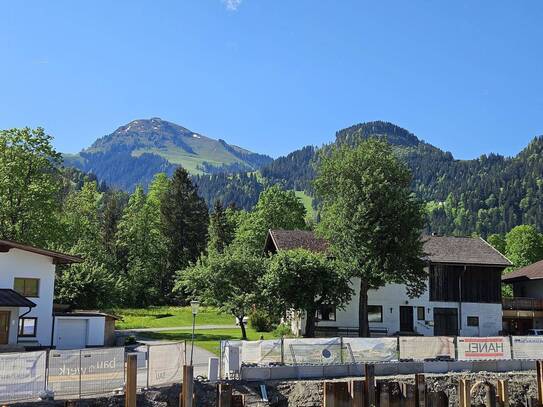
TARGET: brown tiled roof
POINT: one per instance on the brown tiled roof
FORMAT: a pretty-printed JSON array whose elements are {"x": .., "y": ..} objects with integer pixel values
[
  {"x": 58, "y": 258},
  {"x": 438, "y": 249},
  {"x": 462, "y": 250},
  {"x": 531, "y": 272},
  {"x": 297, "y": 239}
]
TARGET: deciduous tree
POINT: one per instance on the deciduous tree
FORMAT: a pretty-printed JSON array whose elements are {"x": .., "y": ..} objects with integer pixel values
[
  {"x": 302, "y": 280},
  {"x": 371, "y": 219}
]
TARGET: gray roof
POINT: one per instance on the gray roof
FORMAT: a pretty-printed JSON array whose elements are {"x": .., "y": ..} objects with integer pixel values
[
  {"x": 11, "y": 298},
  {"x": 462, "y": 250},
  {"x": 58, "y": 258},
  {"x": 438, "y": 249}
]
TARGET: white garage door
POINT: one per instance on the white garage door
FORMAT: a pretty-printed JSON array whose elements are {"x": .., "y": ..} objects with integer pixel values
[{"x": 71, "y": 333}]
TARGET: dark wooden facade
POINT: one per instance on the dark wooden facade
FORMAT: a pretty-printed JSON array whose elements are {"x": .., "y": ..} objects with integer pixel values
[{"x": 465, "y": 283}]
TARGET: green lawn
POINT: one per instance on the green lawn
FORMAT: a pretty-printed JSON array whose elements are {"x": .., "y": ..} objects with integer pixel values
[
  {"x": 208, "y": 338},
  {"x": 162, "y": 317}
]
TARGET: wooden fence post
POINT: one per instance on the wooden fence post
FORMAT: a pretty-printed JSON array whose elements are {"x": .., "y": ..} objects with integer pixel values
[
  {"x": 503, "y": 393},
  {"x": 357, "y": 393},
  {"x": 384, "y": 395},
  {"x": 437, "y": 399},
  {"x": 131, "y": 380},
  {"x": 420, "y": 390},
  {"x": 539, "y": 370},
  {"x": 464, "y": 394},
  {"x": 224, "y": 395},
  {"x": 369, "y": 385},
  {"x": 329, "y": 399},
  {"x": 187, "y": 389},
  {"x": 408, "y": 394}
]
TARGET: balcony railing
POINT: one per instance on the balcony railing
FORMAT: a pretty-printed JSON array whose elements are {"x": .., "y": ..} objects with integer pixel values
[{"x": 522, "y": 304}]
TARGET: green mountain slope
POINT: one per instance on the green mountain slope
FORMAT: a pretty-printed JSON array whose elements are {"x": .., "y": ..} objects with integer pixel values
[
  {"x": 134, "y": 152},
  {"x": 490, "y": 194}
]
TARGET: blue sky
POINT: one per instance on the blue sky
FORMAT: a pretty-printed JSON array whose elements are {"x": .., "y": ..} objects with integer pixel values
[{"x": 273, "y": 76}]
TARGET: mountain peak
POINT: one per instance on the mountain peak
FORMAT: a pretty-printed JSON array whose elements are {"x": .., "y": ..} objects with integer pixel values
[{"x": 394, "y": 134}]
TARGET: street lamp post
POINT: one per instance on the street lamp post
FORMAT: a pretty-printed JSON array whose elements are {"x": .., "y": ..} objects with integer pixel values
[{"x": 194, "y": 305}]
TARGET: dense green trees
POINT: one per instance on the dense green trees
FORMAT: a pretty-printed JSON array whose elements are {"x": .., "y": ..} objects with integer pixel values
[
  {"x": 371, "y": 219},
  {"x": 29, "y": 186},
  {"x": 522, "y": 245}
]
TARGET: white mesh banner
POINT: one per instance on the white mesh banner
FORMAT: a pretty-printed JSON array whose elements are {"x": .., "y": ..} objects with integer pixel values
[
  {"x": 165, "y": 364},
  {"x": 22, "y": 375},
  {"x": 426, "y": 347},
  {"x": 471, "y": 348},
  {"x": 317, "y": 351},
  {"x": 360, "y": 350},
  {"x": 86, "y": 371},
  {"x": 261, "y": 352},
  {"x": 527, "y": 347}
]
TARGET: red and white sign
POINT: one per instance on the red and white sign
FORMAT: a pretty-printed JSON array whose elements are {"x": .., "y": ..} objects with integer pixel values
[{"x": 496, "y": 347}]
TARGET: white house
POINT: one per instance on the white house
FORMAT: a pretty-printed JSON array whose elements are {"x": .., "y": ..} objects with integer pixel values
[
  {"x": 27, "y": 282},
  {"x": 524, "y": 310},
  {"x": 463, "y": 295}
]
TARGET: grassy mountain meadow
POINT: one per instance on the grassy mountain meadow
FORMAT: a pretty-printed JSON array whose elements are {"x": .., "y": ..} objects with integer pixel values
[
  {"x": 489, "y": 194},
  {"x": 133, "y": 153}
]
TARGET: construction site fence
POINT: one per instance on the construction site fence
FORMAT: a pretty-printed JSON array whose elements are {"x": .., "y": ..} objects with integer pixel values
[
  {"x": 339, "y": 350},
  {"x": 80, "y": 373}
]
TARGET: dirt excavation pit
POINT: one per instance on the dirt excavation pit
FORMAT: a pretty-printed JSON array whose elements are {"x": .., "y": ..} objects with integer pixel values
[{"x": 309, "y": 393}]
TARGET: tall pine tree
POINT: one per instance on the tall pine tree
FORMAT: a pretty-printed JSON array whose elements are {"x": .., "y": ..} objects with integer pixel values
[{"x": 185, "y": 221}]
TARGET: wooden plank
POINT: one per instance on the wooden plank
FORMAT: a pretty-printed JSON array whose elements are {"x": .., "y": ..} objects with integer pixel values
[
  {"x": 408, "y": 394},
  {"x": 420, "y": 390},
  {"x": 329, "y": 399},
  {"x": 437, "y": 399},
  {"x": 342, "y": 396},
  {"x": 131, "y": 380},
  {"x": 369, "y": 382},
  {"x": 384, "y": 394},
  {"x": 357, "y": 393},
  {"x": 464, "y": 396},
  {"x": 539, "y": 370},
  {"x": 224, "y": 396},
  {"x": 503, "y": 393}
]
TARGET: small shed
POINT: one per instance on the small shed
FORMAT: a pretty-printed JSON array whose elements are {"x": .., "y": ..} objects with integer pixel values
[{"x": 81, "y": 329}]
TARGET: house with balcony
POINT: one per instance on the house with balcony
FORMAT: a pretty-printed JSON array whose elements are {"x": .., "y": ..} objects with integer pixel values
[
  {"x": 524, "y": 311},
  {"x": 463, "y": 295}
]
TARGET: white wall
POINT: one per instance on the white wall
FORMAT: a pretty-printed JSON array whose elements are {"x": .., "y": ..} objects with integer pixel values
[
  {"x": 95, "y": 329},
  {"x": 392, "y": 296},
  {"x": 19, "y": 263}
]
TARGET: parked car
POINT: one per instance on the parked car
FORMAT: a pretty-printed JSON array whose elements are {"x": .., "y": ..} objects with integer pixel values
[{"x": 535, "y": 332}]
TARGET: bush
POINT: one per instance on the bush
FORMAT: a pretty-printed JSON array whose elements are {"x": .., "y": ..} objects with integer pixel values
[
  {"x": 261, "y": 321},
  {"x": 282, "y": 330}
]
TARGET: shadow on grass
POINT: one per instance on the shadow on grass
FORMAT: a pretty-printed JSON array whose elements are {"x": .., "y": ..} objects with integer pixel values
[{"x": 198, "y": 337}]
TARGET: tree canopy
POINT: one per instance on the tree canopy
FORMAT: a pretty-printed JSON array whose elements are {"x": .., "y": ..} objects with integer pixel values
[{"x": 371, "y": 218}]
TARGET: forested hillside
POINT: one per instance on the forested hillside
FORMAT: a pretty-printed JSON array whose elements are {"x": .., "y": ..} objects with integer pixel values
[{"x": 490, "y": 194}]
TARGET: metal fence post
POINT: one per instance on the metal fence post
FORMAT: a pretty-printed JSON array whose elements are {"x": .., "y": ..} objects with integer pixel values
[
  {"x": 341, "y": 349},
  {"x": 282, "y": 350},
  {"x": 147, "y": 362},
  {"x": 188, "y": 386},
  {"x": 79, "y": 373}
]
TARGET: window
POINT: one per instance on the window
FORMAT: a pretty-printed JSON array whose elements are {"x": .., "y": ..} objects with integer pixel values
[
  {"x": 27, "y": 326},
  {"x": 473, "y": 321},
  {"x": 29, "y": 287},
  {"x": 375, "y": 313},
  {"x": 326, "y": 313},
  {"x": 421, "y": 313}
]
